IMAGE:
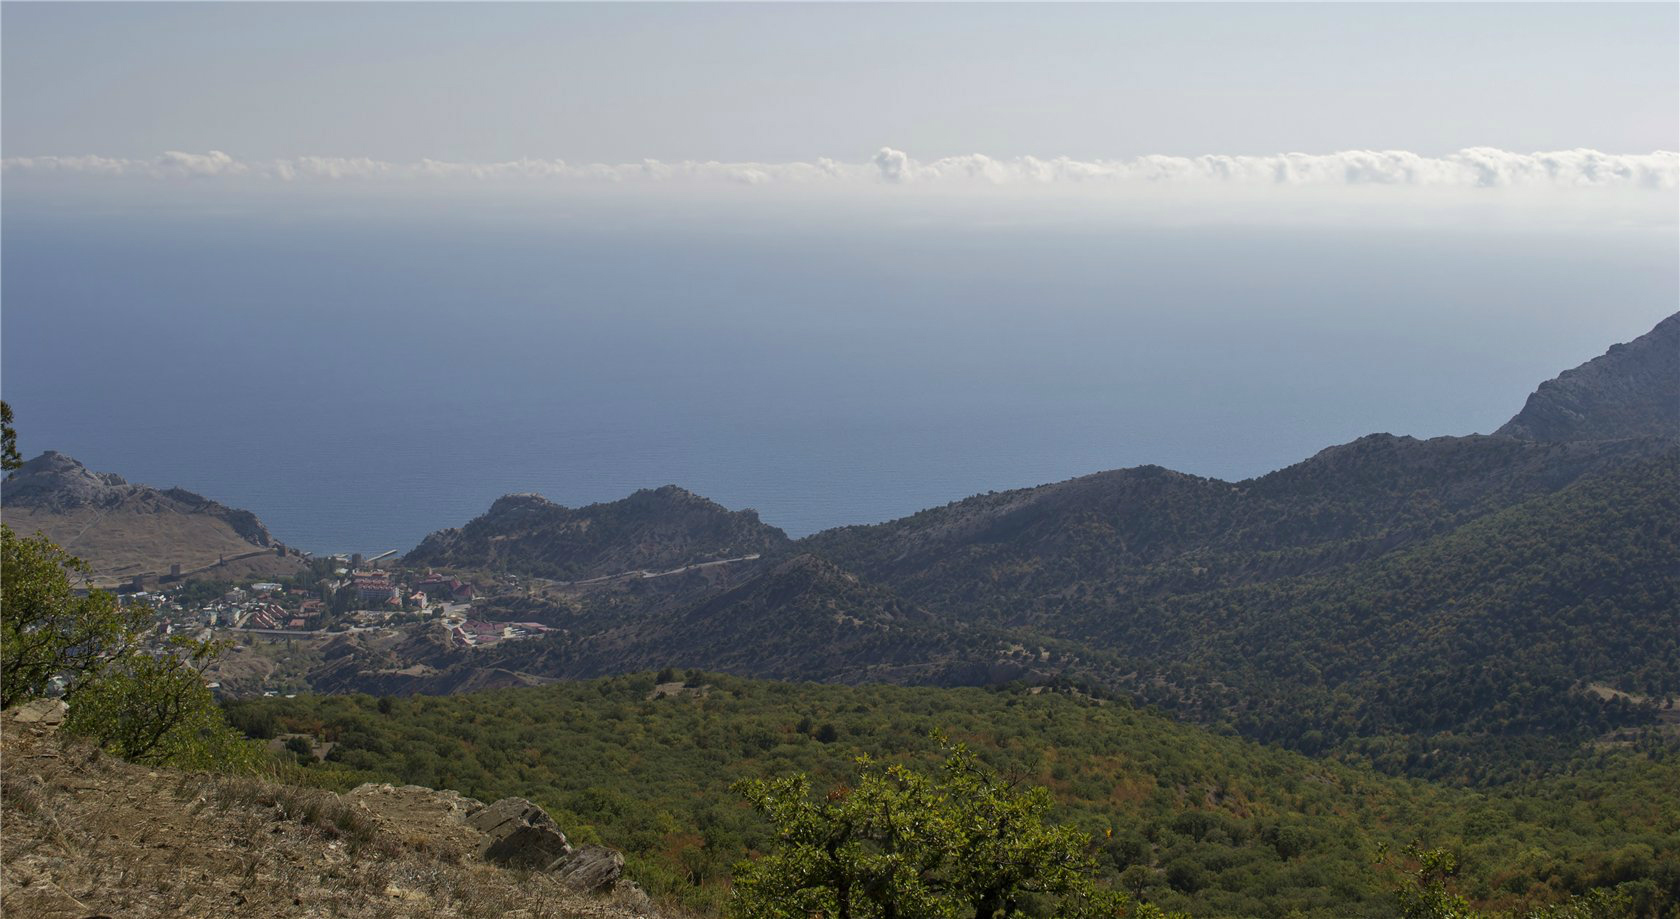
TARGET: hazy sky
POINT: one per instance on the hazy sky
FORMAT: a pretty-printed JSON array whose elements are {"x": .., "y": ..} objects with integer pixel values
[{"x": 620, "y": 83}]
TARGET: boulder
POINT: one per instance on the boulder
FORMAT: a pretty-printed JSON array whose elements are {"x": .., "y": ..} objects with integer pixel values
[
  {"x": 48, "y": 713},
  {"x": 520, "y": 834},
  {"x": 435, "y": 820},
  {"x": 512, "y": 832},
  {"x": 592, "y": 869}
]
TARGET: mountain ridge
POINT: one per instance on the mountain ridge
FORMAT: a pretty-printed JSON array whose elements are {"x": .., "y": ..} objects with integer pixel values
[
  {"x": 125, "y": 530},
  {"x": 1631, "y": 390},
  {"x": 1340, "y": 569},
  {"x": 654, "y": 528}
]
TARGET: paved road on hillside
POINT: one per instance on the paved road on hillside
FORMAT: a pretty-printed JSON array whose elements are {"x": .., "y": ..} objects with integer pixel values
[{"x": 645, "y": 574}]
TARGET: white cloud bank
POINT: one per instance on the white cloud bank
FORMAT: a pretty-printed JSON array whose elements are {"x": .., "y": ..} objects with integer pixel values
[{"x": 1476, "y": 167}]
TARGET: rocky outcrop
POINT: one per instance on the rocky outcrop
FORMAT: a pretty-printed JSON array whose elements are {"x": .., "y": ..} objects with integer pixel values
[
  {"x": 58, "y": 481},
  {"x": 429, "y": 818},
  {"x": 1632, "y": 390},
  {"x": 519, "y": 834},
  {"x": 592, "y": 869},
  {"x": 48, "y": 713},
  {"x": 511, "y": 833}
]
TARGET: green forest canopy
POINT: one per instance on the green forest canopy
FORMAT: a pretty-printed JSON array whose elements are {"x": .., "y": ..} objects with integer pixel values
[{"x": 1185, "y": 818}]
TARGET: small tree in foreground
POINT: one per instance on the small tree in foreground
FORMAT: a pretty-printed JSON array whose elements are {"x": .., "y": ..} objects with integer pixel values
[
  {"x": 156, "y": 708},
  {"x": 146, "y": 705},
  {"x": 46, "y": 630},
  {"x": 1425, "y": 894},
  {"x": 903, "y": 845}
]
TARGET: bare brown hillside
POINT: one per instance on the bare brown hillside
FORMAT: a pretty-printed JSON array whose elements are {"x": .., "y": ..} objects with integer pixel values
[
  {"x": 87, "y": 835},
  {"x": 123, "y": 530}
]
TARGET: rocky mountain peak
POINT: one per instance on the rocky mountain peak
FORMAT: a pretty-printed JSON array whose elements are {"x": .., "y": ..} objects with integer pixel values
[
  {"x": 1631, "y": 390},
  {"x": 521, "y": 502},
  {"x": 652, "y": 529},
  {"x": 55, "y": 479}
]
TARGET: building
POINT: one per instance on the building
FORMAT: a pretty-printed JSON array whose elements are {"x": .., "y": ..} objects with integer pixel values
[
  {"x": 438, "y": 587},
  {"x": 375, "y": 589},
  {"x": 269, "y": 616}
]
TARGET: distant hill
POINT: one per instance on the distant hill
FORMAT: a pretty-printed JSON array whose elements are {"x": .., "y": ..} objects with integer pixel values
[
  {"x": 1018, "y": 556},
  {"x": 1389, "y": 588},
  {"x": 1480, "y": 637},
  {"x": 1632, "y": 390},
  {"x": 418, "y": 659},
  {"x": 1464, "y": 607},
  {"x": 653, "y": 529},
  {"x": 123, "y": 530},
  {"x": 803, "y": 618},
  {"x": 1439, "y": 606},
  {"x": 800, "y": 618}
]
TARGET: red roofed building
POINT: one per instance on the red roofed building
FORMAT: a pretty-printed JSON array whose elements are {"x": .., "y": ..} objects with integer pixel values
[
  {"x": 438, "y": 587},
  {"x": 376, "y": 589}
]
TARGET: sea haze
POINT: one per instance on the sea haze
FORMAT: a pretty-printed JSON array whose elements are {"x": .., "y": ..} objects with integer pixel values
[{"x": 361, "y": 376}]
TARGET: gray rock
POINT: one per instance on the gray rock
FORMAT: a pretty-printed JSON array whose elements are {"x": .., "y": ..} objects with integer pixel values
[
  {"x": 45, "y": 712},
  {"x": 631, "y": 894},
  {"x": 592, "y": 869},
  {"x": 512, "y": 832},
  {"x": 520, "y": 834}
]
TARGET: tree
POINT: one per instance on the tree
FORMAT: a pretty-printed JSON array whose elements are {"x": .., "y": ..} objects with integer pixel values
[
  {"x": 149, "y": 706},
  {"x": 1425, "y": 895},
  {"x": 903, "y": 845},
  {"x": 10, "y": 458},
  {"x": 155, "y": 708},
  {"x": 46, "y": 630}
]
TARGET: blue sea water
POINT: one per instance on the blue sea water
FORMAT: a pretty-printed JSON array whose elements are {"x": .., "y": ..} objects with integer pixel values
[{"x": 360, "y": 377}]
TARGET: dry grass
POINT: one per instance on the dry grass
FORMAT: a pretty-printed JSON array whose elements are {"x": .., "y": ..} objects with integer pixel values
[
  {"x": 322, "y": 813},
  {"x": 85, "y": 835}
]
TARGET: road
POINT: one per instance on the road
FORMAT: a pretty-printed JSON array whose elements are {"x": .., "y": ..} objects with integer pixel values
[{"x": 645, "y": 574}]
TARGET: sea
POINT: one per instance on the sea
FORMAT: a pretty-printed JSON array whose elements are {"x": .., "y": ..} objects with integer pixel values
[{"x": 359, "y": 374}]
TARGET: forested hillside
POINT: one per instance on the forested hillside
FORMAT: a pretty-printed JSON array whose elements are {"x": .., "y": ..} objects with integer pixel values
[
  {"x": 1440, "y": 606},
  {"x": 657, "y": 528},
  {"x": 803, "y": 618},
  {"x": 1022, "y": 557},
  {"x": 1182, "y": 816},
  {"x": 1466, "y": 608},
  {"x": 1481, "y": 640}
]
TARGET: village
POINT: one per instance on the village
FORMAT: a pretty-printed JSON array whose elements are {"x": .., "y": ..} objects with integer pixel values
[{"x": 339, "y": 594}]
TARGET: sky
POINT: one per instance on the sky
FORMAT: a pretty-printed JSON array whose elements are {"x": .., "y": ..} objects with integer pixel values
[{"x": 587, "y": 83}]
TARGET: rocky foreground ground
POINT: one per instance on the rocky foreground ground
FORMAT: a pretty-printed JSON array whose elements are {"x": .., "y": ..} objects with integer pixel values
[{"x": 85, "y": 835}]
